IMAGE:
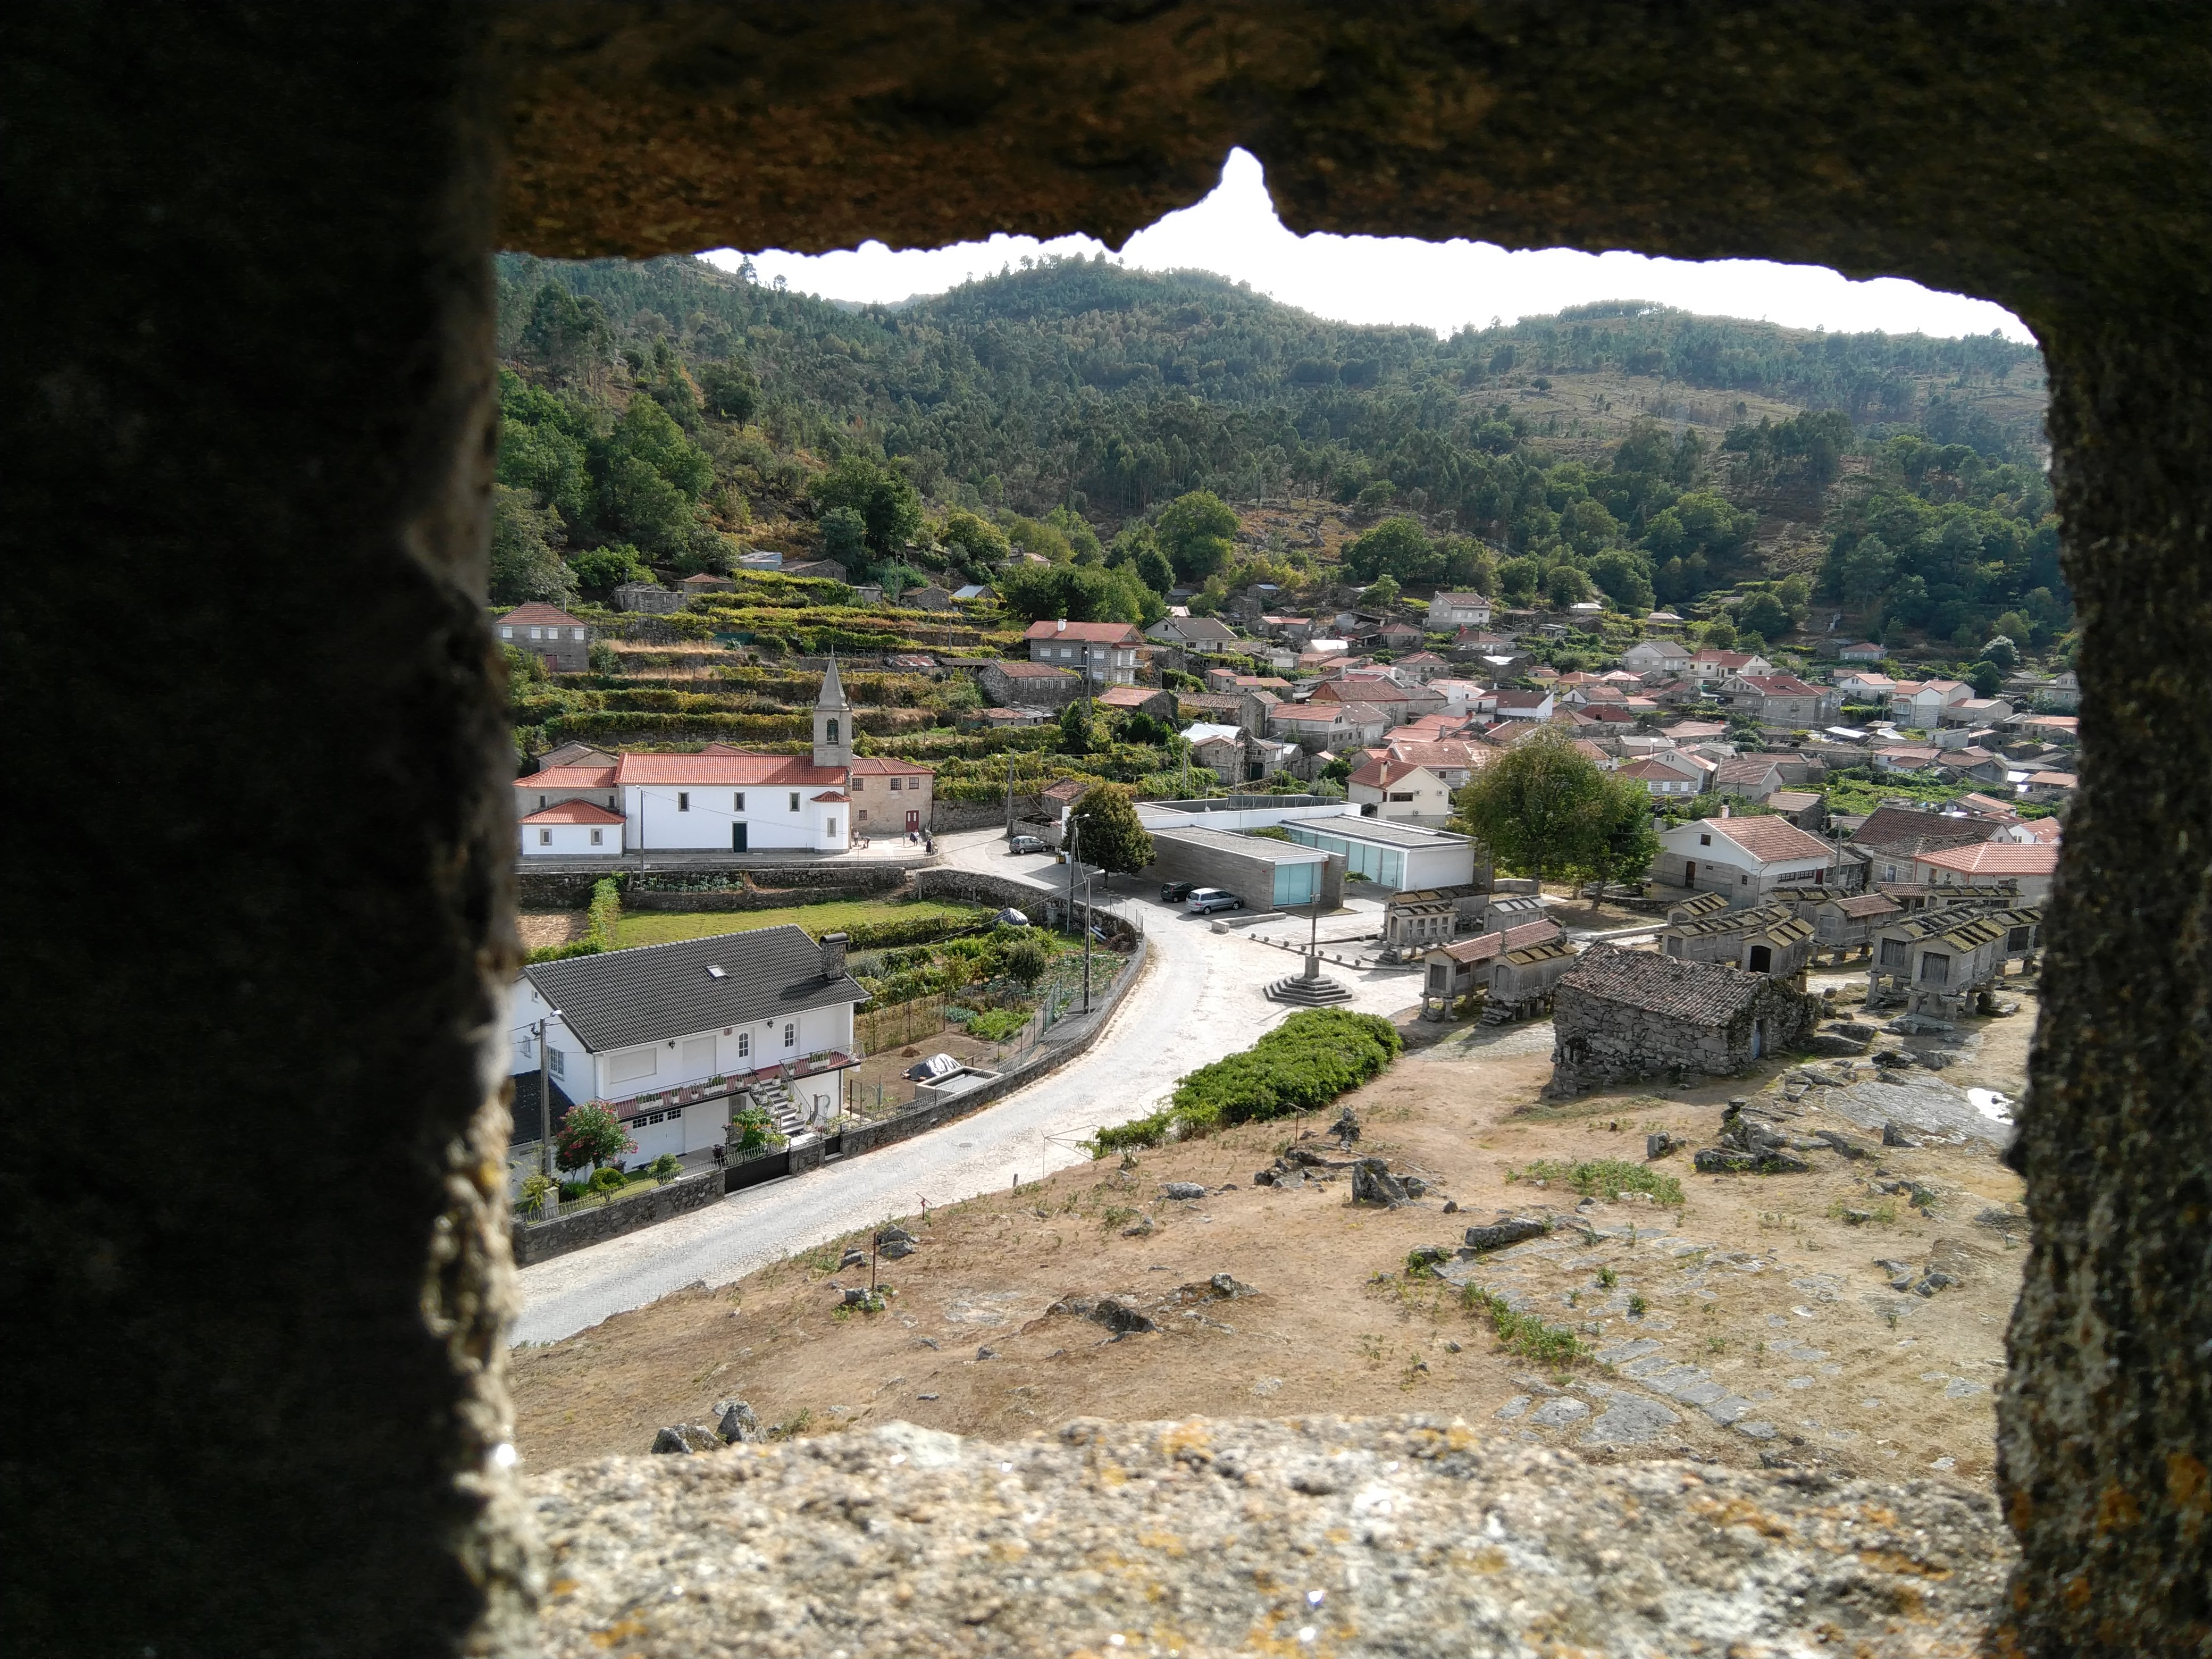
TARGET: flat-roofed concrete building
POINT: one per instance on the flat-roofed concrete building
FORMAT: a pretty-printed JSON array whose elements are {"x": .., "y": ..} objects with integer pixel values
[{"x": 1266, "y": 873}]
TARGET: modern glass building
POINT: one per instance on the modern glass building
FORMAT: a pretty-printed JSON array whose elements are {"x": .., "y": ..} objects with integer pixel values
[{"x": 1392, "y": 855}]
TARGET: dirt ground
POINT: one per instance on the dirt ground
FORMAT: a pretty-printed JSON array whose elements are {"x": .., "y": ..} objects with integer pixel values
[
  {"x": 540, "y": 928},
  {"x": 1759, "y": 1282}
]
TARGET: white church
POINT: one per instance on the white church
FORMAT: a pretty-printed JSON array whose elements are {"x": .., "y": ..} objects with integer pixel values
[{"x": 725, "y": 800}]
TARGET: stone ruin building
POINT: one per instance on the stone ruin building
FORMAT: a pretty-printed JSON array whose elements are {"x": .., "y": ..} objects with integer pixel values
[
  {"x": 1942, "y": 963},
  {"x": 256, "y": 402},
  {"x": 1621, "y": 1016}
]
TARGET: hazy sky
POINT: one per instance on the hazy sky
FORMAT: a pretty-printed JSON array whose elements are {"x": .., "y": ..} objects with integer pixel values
[{"x": 1375, "y": 279}]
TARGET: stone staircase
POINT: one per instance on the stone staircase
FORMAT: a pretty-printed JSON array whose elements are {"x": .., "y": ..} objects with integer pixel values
[{"x": 775, "y": 1094}]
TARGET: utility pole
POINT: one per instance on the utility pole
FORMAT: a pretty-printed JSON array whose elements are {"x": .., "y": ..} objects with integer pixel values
[
  {"x": 1086, "y": 944},
  {"x": 1010, "y": 795},
  {"x": 545, "y": 1096},
  {"x": 1074, "y": 853}
]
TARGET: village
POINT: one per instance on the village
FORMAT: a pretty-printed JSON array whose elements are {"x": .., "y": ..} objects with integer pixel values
[{"x": 1813, "y": 809}]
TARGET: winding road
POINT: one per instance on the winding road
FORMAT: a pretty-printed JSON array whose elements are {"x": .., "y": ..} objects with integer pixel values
[{"x": 1200, "y": 997}]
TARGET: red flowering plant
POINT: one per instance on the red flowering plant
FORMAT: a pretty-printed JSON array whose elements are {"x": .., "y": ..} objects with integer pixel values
[{"x": 590, "y": 1135}]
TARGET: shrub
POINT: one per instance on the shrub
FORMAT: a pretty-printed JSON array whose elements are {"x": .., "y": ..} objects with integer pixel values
[
  {"x": 607, "y": 1181},
  {"x": 573, "y": 1190},
  {"x": 588, "y": 1136},
  {"x": 666, "y": 1167},
  {"x": 997, "y": 1024},
  {"x": 1524, "y": 1334},
  {"x": 1026, "y": 961},
  {"x": 1606, "y": 1177},
  {"x": 1305, "y": 1062}
]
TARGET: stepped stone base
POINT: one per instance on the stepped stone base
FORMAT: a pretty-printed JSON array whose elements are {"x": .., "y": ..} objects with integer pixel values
[{"x": 1315, "y": 992}]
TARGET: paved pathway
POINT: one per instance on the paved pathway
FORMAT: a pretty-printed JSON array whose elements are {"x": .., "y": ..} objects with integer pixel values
[{"x": 1198, "y": 999}]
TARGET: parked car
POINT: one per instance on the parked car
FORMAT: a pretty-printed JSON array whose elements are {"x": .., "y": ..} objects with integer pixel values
[
  {"x": 937, "y": 1066},
  {"x": 1025, "y": 844},
  {"x": 1203, "y": 901},
  {"x": 1174, "y": 892}
]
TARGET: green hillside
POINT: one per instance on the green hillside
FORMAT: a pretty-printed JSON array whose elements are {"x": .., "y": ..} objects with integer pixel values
[{"x": 655, "y": 411}]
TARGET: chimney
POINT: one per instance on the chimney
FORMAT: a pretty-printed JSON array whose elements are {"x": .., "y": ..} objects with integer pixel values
[
  {"x": 1059, "y": 625},
  {"x": 1724, "y": 810},
  {"x": 833, "y": 956}
]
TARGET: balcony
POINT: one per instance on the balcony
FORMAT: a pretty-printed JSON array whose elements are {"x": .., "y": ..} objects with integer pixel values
[{"x": 730, "y": 1083}]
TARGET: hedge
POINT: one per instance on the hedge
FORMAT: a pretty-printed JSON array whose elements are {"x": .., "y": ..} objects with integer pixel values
[
  {"x": 601, "y": 921},
  {"x": 1305, "y": 1062}
]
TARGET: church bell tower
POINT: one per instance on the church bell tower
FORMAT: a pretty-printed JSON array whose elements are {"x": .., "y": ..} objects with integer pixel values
[{"x": 833, "y": 722}]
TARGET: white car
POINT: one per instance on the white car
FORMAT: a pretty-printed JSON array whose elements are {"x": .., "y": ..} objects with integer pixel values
[{"x": 1205, "y": 900}]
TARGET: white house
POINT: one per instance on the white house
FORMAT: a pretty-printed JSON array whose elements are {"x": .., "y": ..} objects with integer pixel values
[
  {"x": 572, "y": 829},
  {"x": 1647, "y": 657},
  {"x": 1661, "y": 781},
  {"x": 1741, "y": 859},
  {"x": 1401, "y": 790},
  {"x": 1524, "y": 705},
  {"x": 666, "y": 1034},
  {"x": 1459, "y": 610},
  {"x": 1399, "y": 857},
  {"x": 1921, "y": 702},
  {"x": 1105, "y": 653}
]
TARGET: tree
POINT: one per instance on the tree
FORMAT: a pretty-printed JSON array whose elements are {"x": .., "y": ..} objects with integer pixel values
[
  {"x": 1080, "y": 592},
  {"x": 1107, "y": 832},
  {"x": 1383, "y": 594},
  {"x": 972, "y": 540},
  {"x": 1079, "y": 728},
  {"x": 845, "y": 537},
  {"x": 730, "y": 389},
  {"x": 1137, "y": 549},
  {"x": 2001, "y": 651},
  {"x": 1517, "y": 580},
  {"x": 1621, "y": 575},
  {"x": 1536, "y": 805},
  {"x": 603, "y": 569},
  {"x": 1622, "y": 842},
  {"x": 887, "y": 502},
  {"x": 1566, "y": 586},
  {"x": 1195, "y": 532},
  {"x": 1986, "y": 677},
  {"x": 525, "y": 551},
  {"x": 1398, "y": 547},
  {"x": 1026, "y": 962},
  {"x": 1762, "y": 613},
  {"x": 570, "y": 337},
  {"x": 589, "y": 1135}
]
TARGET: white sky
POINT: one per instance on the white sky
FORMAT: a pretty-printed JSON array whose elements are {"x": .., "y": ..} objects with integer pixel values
[{"x": 1234, "y": 231}]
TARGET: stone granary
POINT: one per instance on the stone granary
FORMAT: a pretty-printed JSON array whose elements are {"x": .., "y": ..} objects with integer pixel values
[
  {"x": 1414, "y": 922},
  {"x": 1772, "y": 939},
  {"x": 1623, "y": 1015},
  {"x": 1942, "y": 963},
  {"x": 1521, "y": 978},
  {"x": 1842, "y": 923},
  {"x": 1454, "y": 970},
  {"x": 261, "y": 385}
]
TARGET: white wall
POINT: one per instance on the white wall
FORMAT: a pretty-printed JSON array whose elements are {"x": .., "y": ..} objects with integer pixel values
[
  {"x": 702, "y": 1055},
  {"x": 570, "y": 840},
  {"x": 656, "y": 823},
  {"x": 1451, "y": 864}
]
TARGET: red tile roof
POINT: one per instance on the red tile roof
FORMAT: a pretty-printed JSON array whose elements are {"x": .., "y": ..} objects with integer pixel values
[
  {"x": 1127, "y": 697},
  {"x": 1018, "y": 669},
  {"x": 1118, "y": 632},
  {"x": 1768, "y": 839},
  {"x": 539, "y": 614},
  {"x": 792, "y": 771},
  {"x": 570, "y": 777},
  {"x": 574, "y": 811},
  {"x": 873, "y": 766},
  {"x": 1995, "y": 857}
]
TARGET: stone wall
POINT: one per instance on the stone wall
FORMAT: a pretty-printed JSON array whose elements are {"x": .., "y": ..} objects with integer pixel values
[
  {"x": 1598, "y": 1040},
  {"x": 1035, "y": 1542},
  {"x": 602, "y": 1222}
]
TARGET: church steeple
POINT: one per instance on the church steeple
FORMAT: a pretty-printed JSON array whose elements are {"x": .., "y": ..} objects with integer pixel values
[{"x": 833, "y": 721}]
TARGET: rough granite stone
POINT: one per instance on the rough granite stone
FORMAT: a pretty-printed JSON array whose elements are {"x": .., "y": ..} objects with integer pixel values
[{"x": 1391, "y": 1536}]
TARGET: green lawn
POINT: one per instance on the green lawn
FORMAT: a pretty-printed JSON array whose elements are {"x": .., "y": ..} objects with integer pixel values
[{"x": 662, "y": 926}]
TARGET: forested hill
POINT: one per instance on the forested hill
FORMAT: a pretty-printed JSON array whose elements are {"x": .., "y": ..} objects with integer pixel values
[
  {"x": 1079, "y": 389},
  {"x": 1081, "y": 378}
]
